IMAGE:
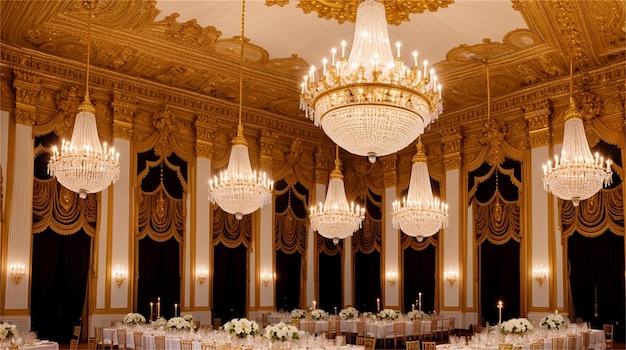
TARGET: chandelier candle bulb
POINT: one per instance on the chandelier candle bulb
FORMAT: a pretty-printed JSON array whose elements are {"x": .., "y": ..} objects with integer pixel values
[
  {"x": 398, "y": 45},
  {"x": 415, "y": 59},
  {"x": 419, "y": 303},
  {"x": 343, "y": 49}
]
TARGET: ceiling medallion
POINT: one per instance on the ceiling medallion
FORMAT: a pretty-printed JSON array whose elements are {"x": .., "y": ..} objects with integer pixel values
[{"x": 345, "y": 10}]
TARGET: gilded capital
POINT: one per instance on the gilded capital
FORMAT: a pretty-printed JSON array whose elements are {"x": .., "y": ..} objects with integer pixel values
[{"x": 390, "y": 177}]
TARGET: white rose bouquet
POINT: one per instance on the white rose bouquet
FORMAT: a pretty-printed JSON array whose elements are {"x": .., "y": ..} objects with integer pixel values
[
  {"x": 160, "y": 322},
  {"x": 553, "y": 321},
  {"x": 188, "y": 318},
  {"x": 387, "y": 314},
  {"x": 348, "y": 313},
  {"x": 7, "y": 331},
  {"x": 298, "y": 313},
  {"x": 281, "y": 332},
  {"x": 134, "y": 318},
  {"x": 516, "y": 326},
  {"x": 242, "y": 327},
  {"x": 319, "y": 314},
  {"x": 416, "y": 315},
  {"x": 177, "y": 324}
]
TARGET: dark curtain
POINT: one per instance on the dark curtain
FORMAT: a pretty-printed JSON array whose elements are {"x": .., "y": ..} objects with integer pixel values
[
  {"x": 419, "y": 277},
  {"x": 597, "y": 276},
  {"x": 367, "y": 281},
  {"x": 288, "y": 280},
  {"x": 159, "y": 276},
  {"x": 60, "y": 270},
  {"x": 499, "y": 280},
  {"x": 229, "y": 282},
  {"x": 329, "y": 282}
]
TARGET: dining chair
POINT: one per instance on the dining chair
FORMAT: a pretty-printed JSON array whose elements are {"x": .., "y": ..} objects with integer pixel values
[
  {"x": 295, "y": 322},
  {"x": 608, "y": 335},
  {"x": 505, "y": 346},
  {"x": 186, "y": 344},
  {"x": 413, "y": 345},
  {"x": 76, "y": 332},
  {"x": 584, "y": 340},
  {"x": 570, "y": 341},
  {"x": 429, "y": 345},
  {"x": 360, "y": 339},
  {"x": 138, "y": 340},
  {"x": 557, "y": 343},
  {"x": 399, "y": 333},
  {"x": 264, "y": 320},
  {"x": 309, "y": 327},
  {"x": 333, "y": 328},
  {"x": 451, "y": 326},
  {"x": 537, "y": 344},
  {"x": 121, "y": 338},
  {"x": 433, "y": 329},
  {"x": 369, "y": 343},
  {"x": 340, "y": 340},
  {"x": 217, "y": 323},
  {"x": 100, "y": 341},
  {"x": 159, "y": 342},
  {"x": 92, "y": 344},
  {"x": 360, "y": 328},
  {"x": 73, "y": 344}
]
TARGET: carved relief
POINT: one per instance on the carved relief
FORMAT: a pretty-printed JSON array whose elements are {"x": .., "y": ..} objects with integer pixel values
[
  {"x": 163, "y": 122},
  {"x": 189, "y": 32},
  {"x": 323, "y": 160},
  {"x": 493, "y": 135},
  {"x": 390, "y": 178},
  {"x": 537, "y": 116},
  {"x": 27, "y": 88}
]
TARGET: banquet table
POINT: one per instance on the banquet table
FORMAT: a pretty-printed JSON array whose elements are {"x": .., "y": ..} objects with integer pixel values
[
  {"x": 41, "y": 345},
  {"x": 384, "y": 329}
]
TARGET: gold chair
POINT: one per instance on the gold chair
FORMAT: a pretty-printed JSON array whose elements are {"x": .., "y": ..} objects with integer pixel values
[
  {"x": 433, "y": 330},
  {"x": 360, "y": 329},
  {"x": 429, "y": 345},
  {"x": 309, "y": 327},
  {"x": 186, "y": 344},
  {"x": 340, "y": 340},
  {"x": 121, "y": 338},
  {"x": 584, "y": 340},
  {"x": 557, "y": 343},
  {"x": 608, "y": 335},
  {"x": 369, "y": 343},
  {"x": 537, "y": 345},
  {"x": 73, "y": 344},
  {"x": 359, "y": 340},
  {"x": 333, "y": 328},
  {"x": 100, "y": 341},
  {"x": 217, "y": 323},
  {"x": 399, "y": 333},
  {"x": 264, "y": 322},
  {"x": 295, "y": 322},
  {"x": 138, "y": 340},
  {"x": 159, "y": 342},
  {"x": 505, "y": 346},
  {"x": 413, "y": 345},
  {"x": 76, "y": 333},
  {"x": 451, "y": 326},
  {"x": 417, "y": 330},
  {"x": 92, "y": 344},
  {"x": 570, "y": 341}
]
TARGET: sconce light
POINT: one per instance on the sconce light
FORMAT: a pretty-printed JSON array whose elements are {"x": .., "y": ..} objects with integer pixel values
[
  {"x": 451, "y": 276},
  {"x": 266, "y": 277},
  {"x": 17, "y": 272},
  {"x": 202, "y": 273},
  {"x": 119, "y": 274},
  {"x": 392, "y": 277},
  {"x": 539, "y": 274}
]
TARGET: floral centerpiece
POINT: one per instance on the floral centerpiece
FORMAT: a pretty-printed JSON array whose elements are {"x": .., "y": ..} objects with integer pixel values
[
  {"x": 319, "y": 314},
  {"x": 281, "y": 332},
  {"x": 7, "y": 331},
  {"x": 553, "y": 321},
  {"x": 298, "y": 313},
  {"x": 387, "y": 314},
  {"x": 369, "y": 316},
  {"x": 242, "y": 327},
  {"x": 134, "y": 318},
  {"x": 516, "y": 326},
  {"x": 160, "y": 322},
  {"x": 188, "y": 318},
  {"x": 177, "y": 324},
  {"x": 416, "y": 315},
  {"x": 348, "y": 313}
]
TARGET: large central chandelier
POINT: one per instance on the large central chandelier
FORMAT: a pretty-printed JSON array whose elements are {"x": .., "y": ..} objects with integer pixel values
[
  {"x": 83, "y": 165},
  {"x": 336, "y": 219},
  {"x": 577, "y": 175},
  {"x": 371, "y": 104},
  {"x": 420, "y": 214},
  {"x": 239, "y": 190}
]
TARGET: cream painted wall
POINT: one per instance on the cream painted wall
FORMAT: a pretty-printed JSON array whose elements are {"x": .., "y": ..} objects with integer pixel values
[
  {"x": 449, "y": 241},
  {"x": 203, "y": 239},
  {"x": 539, "y": 229},
  {"x": 121, "y": 217},
  {"x": 391, "y": 246}
]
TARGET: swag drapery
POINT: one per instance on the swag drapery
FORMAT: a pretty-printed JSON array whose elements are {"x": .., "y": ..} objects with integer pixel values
[{"x": 419, "y": 261}]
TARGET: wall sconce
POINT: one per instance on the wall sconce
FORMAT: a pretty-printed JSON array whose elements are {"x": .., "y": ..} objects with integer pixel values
[
  {"x": 539, "y": 274},
  {"x": 266, "y": 277},
  {"x": 18, "y": 271},
  {"x": 119, "y": 275},
  {"x": 392, "y": 278},
  {"x": 451, "y": 276},
  {"x": 202, "y": 273}
]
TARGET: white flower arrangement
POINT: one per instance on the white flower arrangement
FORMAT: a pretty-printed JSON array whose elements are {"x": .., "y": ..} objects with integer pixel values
[
  {"x": 7, "y": 331},
  {"x": 416, "y": 315},
  {"x": 553, "y": 321},
  {"x": 242, "y": 327},
  {"x": 188, "y": 318},
  {"x": 319, "y": 314},
  {"x": 369, "y": 316},
  {"x": 348, "y": 313},
  {"x": 281, "y": 332},
  {"x": 160, "y": 322},
  {"x": 298, "y": 313},
  {"x": 177, "y": 324},
  {"x": 516, "y": 326},
  {"x": 134, "y": 318},
  {"x": 387, "y": 314}
]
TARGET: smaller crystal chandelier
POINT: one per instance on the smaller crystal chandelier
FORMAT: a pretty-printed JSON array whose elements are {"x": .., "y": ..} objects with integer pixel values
[
  {"x": 336, "y": 219},
  {"x": 83, "y": 165},
  {"x": 577, "y": 175},
  {"x": 420, "y": 214},
  {"x": 371, "y": 104},
  {"x": 239, "y": 190}
]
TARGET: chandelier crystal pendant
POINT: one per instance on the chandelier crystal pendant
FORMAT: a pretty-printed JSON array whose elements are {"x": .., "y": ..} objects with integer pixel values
[
  {"x": 335, "y": 218},
  {"x": 420, "y": 214},
  {"x": 239, "y": 190},
  {"x": 371, "y": 104},
  {"x": 83, "y": 165},
  {"x": 577, "y": 174}
]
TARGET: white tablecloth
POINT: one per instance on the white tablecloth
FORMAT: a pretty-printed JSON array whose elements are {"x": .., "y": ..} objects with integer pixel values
[
  {"x": 596, "y": 342},
  {"x": 41, "y": 345}
]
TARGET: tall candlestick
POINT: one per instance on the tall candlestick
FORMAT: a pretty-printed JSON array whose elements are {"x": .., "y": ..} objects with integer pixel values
[
  {"x": 378, "y": 304},
  {"x": 158, "y": 307},
  {"x": 412, "y": 307},
  {"x": 419, "y": 303},
  {"x": 175, "y": 310},
  {"x": 335, "y": 311},
  {"x": 314, "y": 303},
  {"x": 151, "y": 308},
  {"x": 500, "y": 306}
]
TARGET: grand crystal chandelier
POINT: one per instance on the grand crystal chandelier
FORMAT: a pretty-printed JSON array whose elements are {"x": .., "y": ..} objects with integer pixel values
[
  {"x": 371, "y": 104},
  {"x": 420, "y": 214},
  {"x": 83, "y": 165},
  {"x": 239, "y": 190},
  {"x": 577, "y": 174},
  {"x": 336, "y": 219}
]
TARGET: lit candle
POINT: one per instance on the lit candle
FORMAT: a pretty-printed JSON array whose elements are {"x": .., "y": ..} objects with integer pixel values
[
  {"x": 151, "y": 308},
  {"x": 412, "y": 307},
  {"x": 378, "y": 304},
  {"x": 343, "y": 48},
  {"x": 333, "y": 51},
  {"x": 158, "y": 307},
  {"x": 500, "y": 306},
  {"x": 415, "y": 58},
  {"x": 314, "y": 303},
  {"x": 335, "y": 311},
  {"x": 419, "y": 303},
  {"x": 175, "y": 310},
  {"x": 398, "y": 49},
  {"x": 425, "y": 66},
  {"x": 324, "y": 61}
]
